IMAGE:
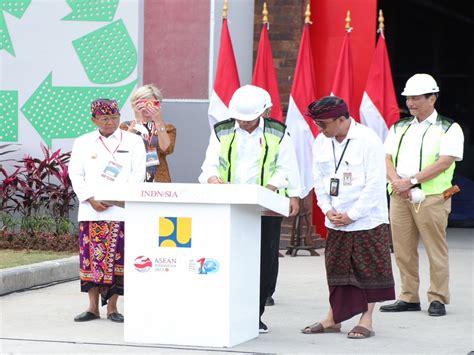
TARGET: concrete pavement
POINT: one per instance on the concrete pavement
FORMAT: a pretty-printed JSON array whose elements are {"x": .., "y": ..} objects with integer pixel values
[{"x": 41, "y": 320}]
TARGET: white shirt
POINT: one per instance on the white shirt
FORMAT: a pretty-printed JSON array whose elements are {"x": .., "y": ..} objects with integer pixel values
[
  {"x": 408, "y": 162},
  {"x": 91, "y": 153},
  {"x": 247, "y": 166},
  {"x": 365, "y": 199}
]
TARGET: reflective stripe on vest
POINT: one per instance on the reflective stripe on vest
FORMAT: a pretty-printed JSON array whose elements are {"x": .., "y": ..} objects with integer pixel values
[
  {"x": 429, "y": 152},
  {"x": 273, "y": 133}
]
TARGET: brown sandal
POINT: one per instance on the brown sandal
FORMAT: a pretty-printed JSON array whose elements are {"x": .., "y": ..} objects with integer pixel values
[
  {"x": 366, "y": 333},
  {"x": 318, "y": 328}
]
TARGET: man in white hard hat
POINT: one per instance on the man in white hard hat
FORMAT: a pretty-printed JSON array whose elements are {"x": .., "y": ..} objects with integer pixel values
[
  {"x": 261, "y": 153},
  {"x": 421, "y": 152}
]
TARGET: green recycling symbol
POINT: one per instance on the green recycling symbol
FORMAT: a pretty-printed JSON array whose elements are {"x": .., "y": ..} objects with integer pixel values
[
  {"x": 16, "y": 8},
  {"x": 108, "y": 56}
]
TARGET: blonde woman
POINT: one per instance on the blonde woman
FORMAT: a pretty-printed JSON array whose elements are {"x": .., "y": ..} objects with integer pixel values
[{"x": 157, "y": 136}]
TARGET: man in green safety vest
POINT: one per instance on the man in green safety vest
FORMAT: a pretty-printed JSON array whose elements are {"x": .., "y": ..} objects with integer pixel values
[
  {"x": 251, "y": 149},
  {"x": 421, "y": 152}
]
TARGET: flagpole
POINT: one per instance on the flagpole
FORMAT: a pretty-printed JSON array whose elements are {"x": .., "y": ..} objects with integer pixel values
[
  {"x": 307, "y": 15},
  {"x": 381, "y": 20},
  {"x": 225, "y": 9},
  {"x": 265, "y": 14},
  {"x": 348, "y": 21}
]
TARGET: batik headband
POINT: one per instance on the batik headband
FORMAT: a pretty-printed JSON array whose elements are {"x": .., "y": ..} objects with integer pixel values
[
  {"x": 101, "y": 107},
  {"x": 328, "y": 111}
]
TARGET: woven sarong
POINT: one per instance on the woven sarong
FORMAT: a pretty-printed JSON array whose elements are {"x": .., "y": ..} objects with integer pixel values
[
  {"x": 358, "y": 269},
  {"x": 101, "y": 257}
]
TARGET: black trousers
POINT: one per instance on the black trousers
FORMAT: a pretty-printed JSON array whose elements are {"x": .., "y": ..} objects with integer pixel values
[{"x": 269, "y": 245}]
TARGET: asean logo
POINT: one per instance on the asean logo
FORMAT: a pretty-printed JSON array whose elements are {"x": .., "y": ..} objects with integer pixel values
[
  {"x": 142, "y": 263},
  {"x": 175, "y": 232}
]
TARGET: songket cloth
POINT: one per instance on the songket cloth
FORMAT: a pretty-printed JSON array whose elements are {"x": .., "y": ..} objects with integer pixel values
[
  {"x": 101, "y": 257},
  {"x": 358, "y": 270}
]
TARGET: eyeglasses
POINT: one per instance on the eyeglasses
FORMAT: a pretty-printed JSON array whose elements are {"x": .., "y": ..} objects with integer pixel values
[
  {"x": 323, "y": 123},
  {"x": 107, "y": 118}
]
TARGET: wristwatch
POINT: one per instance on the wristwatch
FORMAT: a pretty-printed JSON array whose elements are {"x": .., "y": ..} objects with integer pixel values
[{"x": 414, "y": 181}]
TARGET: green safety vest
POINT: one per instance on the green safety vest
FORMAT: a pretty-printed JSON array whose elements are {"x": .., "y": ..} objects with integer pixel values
[
  {"x": 273, "y": 133},
  {"x": 429, "y": 152}
]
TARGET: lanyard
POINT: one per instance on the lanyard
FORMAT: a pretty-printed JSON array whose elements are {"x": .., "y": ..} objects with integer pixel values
[
  {"x": 151, "y": 133},
  {"x": 340, "y": 159},
  {"x": 116, "y": 148}
]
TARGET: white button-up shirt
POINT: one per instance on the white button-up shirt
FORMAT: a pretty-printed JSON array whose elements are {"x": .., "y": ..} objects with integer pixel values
[
  {"x": 247, "y": 165},
  {"x": 408, "y": 163},
  {"x": 91, "y": 153},
  {"x": 364, "y": 199}
]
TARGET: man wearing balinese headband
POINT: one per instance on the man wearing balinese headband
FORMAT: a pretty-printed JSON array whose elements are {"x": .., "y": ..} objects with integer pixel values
[
  {"x": 106, "y": 155},
  {"x": 422, "y": 151},
  {"x": 349, "y": 182}
]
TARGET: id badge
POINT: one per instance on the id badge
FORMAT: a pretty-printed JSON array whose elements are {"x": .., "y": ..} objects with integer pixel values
[
  {"x": 112, "y": 170},
  {"x": 152, "y": 158},
  {"x": 347, "y": 178},
  {"x": 334, "y": 187}
]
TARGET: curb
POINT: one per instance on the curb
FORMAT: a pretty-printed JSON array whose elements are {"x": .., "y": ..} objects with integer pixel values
[{"x": 23, "y": 277}]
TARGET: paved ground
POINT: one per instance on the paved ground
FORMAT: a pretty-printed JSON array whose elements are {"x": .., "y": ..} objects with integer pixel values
[{"x": 40, "y": 321}]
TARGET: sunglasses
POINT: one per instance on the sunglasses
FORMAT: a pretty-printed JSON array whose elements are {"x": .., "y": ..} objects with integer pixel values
[{"x": 148, "y": 103}]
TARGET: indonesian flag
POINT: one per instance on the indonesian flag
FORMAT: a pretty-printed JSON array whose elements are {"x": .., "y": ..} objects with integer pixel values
[
  {"x": 343, "y": 85},
  {"x": 226, "y": 80},
  {"x": 379, "y": 108},
  {"x": 264, "y": 74},
  {"x": 302, "y": 128}
]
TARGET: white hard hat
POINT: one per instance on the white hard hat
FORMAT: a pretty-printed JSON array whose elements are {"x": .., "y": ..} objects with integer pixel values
[
  {"x": 268, "y": 100},
  {"x": 247, "y": 103},
  {"x": 420, "y": 84}
]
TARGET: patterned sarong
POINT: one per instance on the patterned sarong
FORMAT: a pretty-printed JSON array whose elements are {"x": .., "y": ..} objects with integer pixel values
[
  {"x": 101, "y": 257},
  {"x": 358, "y": 269}
]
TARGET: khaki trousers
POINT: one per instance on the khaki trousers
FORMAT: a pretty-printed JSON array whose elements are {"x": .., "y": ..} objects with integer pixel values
[{"x": 430, "y": 224}]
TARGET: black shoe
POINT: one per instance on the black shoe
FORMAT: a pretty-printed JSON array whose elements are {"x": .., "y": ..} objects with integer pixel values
[
  {"x": 401, "y": 306},
  {"x": 85, "y": 317},
  {"x": 115, "y": 317},
  {"x": 270, "y": 301},
  {"x": 436, "y": 309},
  {"x": 262, "y": 328}
]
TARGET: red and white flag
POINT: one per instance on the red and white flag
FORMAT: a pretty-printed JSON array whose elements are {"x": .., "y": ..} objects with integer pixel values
[
  {"x": 379, "y": 108},
  {"x": 302, "y": 128},
  {"x": 226, "y": 80},
  {"x": 264, "y": 74},
  {"x": 343, "y": 84}
]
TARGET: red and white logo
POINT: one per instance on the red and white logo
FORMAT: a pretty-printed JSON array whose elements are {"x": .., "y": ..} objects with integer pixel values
[{"x": 142, "y": 263}]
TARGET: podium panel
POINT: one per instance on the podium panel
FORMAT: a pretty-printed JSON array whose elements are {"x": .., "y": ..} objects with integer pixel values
[{"x": 192, "y": 261}]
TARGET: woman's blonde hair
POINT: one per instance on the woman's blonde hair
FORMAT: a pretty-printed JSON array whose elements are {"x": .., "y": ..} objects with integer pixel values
[{"x": 149, "y": 91}]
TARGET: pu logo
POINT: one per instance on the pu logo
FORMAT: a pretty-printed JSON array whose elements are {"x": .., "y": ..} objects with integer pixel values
[{"x": 175, "y": 232}]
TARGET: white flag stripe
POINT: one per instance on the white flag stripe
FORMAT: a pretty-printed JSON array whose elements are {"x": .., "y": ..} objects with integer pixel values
[
  {"x": 371, "y": 117},
  {"x": 303, "y": 142},
  {"x": 218, "y": 111}
]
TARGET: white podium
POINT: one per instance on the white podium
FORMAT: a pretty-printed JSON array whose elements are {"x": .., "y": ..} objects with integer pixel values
[{"x": 192, "y": 261}]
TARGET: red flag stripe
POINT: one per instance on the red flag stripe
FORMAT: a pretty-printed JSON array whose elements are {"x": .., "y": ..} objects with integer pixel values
[
  {"x": 227, "y": 77},
  {"x": 343, "y": 85},
  {"x": 264, "y": 74},
  {"x": 380, "y": 84},
  {"x": 303, "y": 90}
]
